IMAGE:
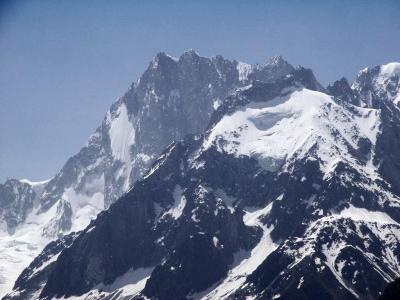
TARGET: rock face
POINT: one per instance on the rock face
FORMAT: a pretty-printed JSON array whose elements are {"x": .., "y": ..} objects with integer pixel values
[
  {"x": 289, "y": 192},
  {"x": 17, "y": 199},
  {"x": 174, "y": 97},
  {"x": 392, "y": 291}
]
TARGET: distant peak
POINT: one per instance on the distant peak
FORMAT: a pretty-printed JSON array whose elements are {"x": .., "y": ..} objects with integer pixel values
[
  {"x": 218, "y": 57},
  {"x": 365, "y": 70},
  {"x": 191, "y": 51},
  {"x": 339, "y": 84},
  {"x": 342, "y": 81},
  {"x": 341, "y": 90},
  {"x": 160, "y": 56},
  {"x": 307, "y": 78},
  {"x": 385, "y": 70},
  {"x": 273, "y": 62},
  {"x": 189, "y": 54},
  {"x": 390, "y": 69},
  {"x": 276, "y": 60}
]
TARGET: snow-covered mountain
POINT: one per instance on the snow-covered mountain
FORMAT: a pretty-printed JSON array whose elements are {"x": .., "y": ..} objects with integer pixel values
[
  {"x": 291, "y": 191},
  {"x": 174, "y": 97}
]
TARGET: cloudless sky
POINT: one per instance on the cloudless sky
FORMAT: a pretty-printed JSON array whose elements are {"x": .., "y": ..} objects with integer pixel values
[{"x": 62, "y": 63}]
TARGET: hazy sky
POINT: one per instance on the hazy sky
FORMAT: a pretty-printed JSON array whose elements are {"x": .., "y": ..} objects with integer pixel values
[{"x": 62, "y": 63}]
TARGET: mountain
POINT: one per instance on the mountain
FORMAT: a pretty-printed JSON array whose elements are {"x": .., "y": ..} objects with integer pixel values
[
  {"x": 173, "y": 98},
  {"x": 289, "y": 192}
]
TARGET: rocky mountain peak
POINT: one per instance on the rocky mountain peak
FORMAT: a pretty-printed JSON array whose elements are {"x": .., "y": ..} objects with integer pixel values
[
  {"x": 390, "y": 70},
  {"x": 380, "y": 84},
  {"x": 273, "y": 68},
  {"x": 160, "y": 58},
  {"x": 189, "y": 54},
  {"x": 276, "y": 60},
  {"x": 342, "y": 90}
]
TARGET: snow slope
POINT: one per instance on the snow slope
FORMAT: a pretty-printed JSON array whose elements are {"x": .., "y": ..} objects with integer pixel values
[
  {"x": 285, "y": 129},
  {"x": 17, "y": 250}
]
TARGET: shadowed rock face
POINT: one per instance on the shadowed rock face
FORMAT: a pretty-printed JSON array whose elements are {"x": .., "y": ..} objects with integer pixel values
[
  {"x": 212, "y": 220},
  {"x": 392, "y": 291},
  {"x": 341, "y": 90}
]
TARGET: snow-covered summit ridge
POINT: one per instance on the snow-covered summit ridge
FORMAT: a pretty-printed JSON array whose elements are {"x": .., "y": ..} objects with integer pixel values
[
  {"x": 287, "y": 127},
  {"x": 34, "y": 183},
  {"x": 378, "y": 84},
  {"x": 390, "y": 69}
]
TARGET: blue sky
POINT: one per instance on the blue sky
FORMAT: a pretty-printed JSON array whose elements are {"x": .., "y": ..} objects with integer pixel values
[{"x": 64, "y": 62}]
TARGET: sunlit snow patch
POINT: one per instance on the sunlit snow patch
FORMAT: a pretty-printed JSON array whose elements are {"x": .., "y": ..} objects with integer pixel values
[
  {"x": 288, "y": 127},
  {"x": 122, "y": 134}
]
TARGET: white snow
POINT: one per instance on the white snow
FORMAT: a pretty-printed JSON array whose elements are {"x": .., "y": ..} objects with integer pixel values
[
  {"x": 122, "y": 134},
  {"x": 387, "y": 72},
  {"x": 383, "y": 228},
  {"x": 246, "y": 262},
  {"x": 215, "y": 241},
  {"x": 331, "y": 254},
  {"x": 17, "y": 250},
  {"x": 244, "y": 70},
  {"x": 15, "y": 255},
  {"x": 46, "y": 263},
  {"x": 122, "y": 138},
  {"x": 287, "y": 127},
  {"x": 390, "y": 69},
  {"x": 174, "y": 58},
  {"x": 216, "y": 103},
  {"x": 132, "y": 282},
  {"x": 34, "y": 183},
  {"x": 85, "y": 207},
  {"x": 179, "y": 204},
  {"x": 301, "y": 281},
  {"x": 384, "y": 84},
  {"x": 362, "y": 214},
  {"x": 127, "y": 285}
]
